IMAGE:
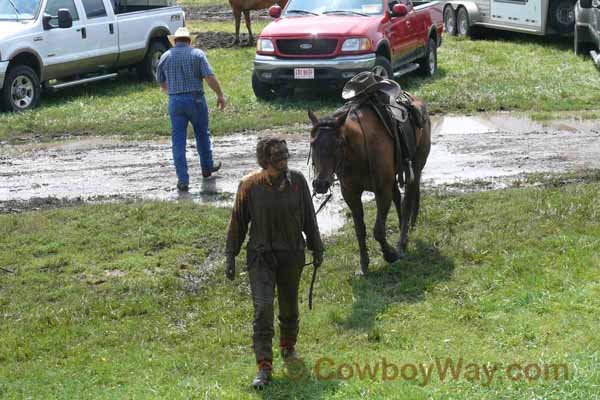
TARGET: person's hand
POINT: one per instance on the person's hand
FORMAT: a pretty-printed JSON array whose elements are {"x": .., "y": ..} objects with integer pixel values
[
  {"x": 230, "y": 267},
  {"x": 221, "y": 102},
  {"x": 317, "y": 258}
]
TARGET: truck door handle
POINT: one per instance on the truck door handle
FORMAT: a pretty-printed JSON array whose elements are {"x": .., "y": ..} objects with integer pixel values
[
  {"x": 111, "y": 29},
  {"x": 83, "y": 33}
]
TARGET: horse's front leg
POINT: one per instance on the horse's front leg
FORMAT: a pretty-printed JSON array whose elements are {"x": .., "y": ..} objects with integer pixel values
[
  {"x": 408, "y": 213},
  {"x": 397, "y": 198},
  {"x": 383, "y": 198},
  {"x": 354, "y": 201}
]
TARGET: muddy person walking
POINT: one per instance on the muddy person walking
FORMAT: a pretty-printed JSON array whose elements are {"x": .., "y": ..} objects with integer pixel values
[
  {"x": 276, "y": 202},
  {"x": 180, "y": 73}
]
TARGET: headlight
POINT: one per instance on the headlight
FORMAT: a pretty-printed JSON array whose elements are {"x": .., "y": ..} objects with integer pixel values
[
  {"x": 356, "y": 44},
  {"x": 265, "y": 46}
]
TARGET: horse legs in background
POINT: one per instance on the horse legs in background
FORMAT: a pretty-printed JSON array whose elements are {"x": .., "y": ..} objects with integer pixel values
[
  {"x": 383, "y": 198},
  {"x": 247, "y": 19},
  {"x": 237, "y": 14},
  {"x": 356, "y": 207}
]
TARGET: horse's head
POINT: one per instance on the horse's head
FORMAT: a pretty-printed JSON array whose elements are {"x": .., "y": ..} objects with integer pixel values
[{"x": 327, "y": 148}]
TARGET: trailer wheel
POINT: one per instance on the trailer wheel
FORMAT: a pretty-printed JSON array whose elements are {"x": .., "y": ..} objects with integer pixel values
[
  {"x": 463, "y": 25},
  {"x": 428, "y": 64},
  {"x": 450, "y": 21},
  {"x": 580, "y": 48},
  {"x": 562, "y": 15},
  {"x": 22, "y": 89}
]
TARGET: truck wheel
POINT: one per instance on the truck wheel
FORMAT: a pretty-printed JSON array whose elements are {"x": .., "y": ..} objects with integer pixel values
[
  {"x": 562, "y": 15},
  {"x": 428, "y": 64},
  {"x": 450, "y": 21},
  {"x": 147, "y": 69},
  {"x": 383, "y": 68},
  {"x": 261, "y": 90},
  {"x": 463, "y": 25},
  {"x": 22, "y": 90}
]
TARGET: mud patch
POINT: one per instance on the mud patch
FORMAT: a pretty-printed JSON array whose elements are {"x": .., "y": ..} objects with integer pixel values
[
  {"x": 218, "y": 40},
  {"x": 468, "y": 153},
  {"x": 221, "y": 13}
]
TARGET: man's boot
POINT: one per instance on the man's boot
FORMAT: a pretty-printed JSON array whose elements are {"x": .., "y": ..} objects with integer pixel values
[
  {"x": 263, "y": 376},
  {"x": 288, "y": 350}
]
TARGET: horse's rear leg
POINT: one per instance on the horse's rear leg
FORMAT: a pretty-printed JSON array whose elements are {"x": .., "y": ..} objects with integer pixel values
[
  {"x": 397, "y": 197},
  {"x": 237, "y": 14},
  {"x": 384, "y": 201},
  {"x": 355, "y": 203},
  {"x": 247, "y": 19}
]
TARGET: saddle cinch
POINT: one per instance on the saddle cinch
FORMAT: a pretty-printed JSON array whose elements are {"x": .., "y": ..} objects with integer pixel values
[{"x": 397, "y": 112}]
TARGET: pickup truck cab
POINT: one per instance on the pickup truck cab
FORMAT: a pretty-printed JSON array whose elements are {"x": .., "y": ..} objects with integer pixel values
[
  {"x": 54, "y": 44},
  {"x": 326, "y": 42}
]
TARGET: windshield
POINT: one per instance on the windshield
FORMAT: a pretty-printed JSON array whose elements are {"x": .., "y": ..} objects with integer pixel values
[
  {"x": 18, "y": 9},
  {"x": 334, "y": 7}
]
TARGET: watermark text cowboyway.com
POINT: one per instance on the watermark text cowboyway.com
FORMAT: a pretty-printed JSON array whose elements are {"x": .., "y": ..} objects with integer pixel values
[{"x": 444, "y": 369}]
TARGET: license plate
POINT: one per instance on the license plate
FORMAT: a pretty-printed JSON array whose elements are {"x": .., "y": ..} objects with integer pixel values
[{"x": 304, "y": 73}]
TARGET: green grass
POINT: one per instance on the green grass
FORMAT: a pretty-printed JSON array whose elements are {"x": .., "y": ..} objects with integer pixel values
[
  {"x": 505, "y": 72},
  {"x": 129, "y": 301},
  {"x": 203, "y": 3}
]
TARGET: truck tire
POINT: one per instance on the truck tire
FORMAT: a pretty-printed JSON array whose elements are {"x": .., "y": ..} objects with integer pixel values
[
  {"x": 262, "y": 90},
  {"x": 147, "y": 69},
  {"x": 463, "y": 24},
  {"x": 450, "y": 21},
  {"x": 22, "y": 89},
  {"x": 383, "y": 68},
  {"x": 562, "y": 15},
  {"x": 428, "y": 64}
]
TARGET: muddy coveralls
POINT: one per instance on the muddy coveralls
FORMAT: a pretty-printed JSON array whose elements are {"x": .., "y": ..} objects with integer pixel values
[{"x": 278, "y": 213}]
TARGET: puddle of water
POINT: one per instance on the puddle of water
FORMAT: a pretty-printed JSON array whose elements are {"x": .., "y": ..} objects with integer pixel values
[{"x": 496, "y": 148}]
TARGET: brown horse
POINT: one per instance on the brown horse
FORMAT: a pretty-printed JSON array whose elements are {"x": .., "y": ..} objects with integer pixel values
[
  {"x": 356, "y": 147},
  {"x": 239, "y": 6}
]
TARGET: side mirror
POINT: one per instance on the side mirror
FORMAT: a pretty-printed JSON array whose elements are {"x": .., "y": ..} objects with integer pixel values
[
  {"x": 46, "y": 22},
  {"x": 65, "y": 20},
  {"x": 275, "y": 11},
  {"x": 585, "y": 3},
  {"x": 399, "y": 10}
]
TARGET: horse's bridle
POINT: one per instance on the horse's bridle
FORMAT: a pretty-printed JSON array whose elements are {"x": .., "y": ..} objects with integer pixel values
[{"x": 329, "y": 125}]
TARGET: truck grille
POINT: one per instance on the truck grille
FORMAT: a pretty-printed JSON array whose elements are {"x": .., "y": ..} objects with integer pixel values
[{"x": 306, "y": 46}]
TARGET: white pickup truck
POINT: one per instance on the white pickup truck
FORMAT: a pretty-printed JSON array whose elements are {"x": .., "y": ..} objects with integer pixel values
[{"x": 52, "y": 44}]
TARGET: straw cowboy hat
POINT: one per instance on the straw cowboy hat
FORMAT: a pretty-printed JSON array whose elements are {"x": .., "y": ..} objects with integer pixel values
[
  {"x": 179, "y": 34},
  {"x": 366, "y": 82}
]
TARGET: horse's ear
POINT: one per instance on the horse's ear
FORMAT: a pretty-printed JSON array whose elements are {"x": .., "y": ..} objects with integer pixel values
[{"x": 313, "y": 118}]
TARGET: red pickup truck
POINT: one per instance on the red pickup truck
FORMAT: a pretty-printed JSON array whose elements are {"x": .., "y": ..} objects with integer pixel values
[{"x": 326, "y": 42}]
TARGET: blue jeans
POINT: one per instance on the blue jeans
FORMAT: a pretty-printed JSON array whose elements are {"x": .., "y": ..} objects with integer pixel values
[{"x": 183, "y": 109}]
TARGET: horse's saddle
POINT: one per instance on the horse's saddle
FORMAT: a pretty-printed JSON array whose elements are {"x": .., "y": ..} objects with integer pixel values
[{"x": 400, "y": 116}]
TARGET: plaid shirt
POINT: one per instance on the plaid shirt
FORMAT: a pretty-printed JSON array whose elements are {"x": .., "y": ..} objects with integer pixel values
[{"x": 183, "y": 68}]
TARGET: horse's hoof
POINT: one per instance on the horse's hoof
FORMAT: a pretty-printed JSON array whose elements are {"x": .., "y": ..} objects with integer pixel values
[
  {"x": 360, "y": 272},
  {"x": 391, "y": 256}
]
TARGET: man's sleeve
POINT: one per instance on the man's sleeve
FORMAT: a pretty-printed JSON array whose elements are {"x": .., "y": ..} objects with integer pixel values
[
  {"x": 240, "y": 218},
  {"x": 205, "y": 68},
  {"x": 311, "y": 227}
]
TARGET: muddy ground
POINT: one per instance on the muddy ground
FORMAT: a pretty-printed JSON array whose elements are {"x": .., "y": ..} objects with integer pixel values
[
  {"x": 221, "y": 13},
  {"x": 468, "y": 153},
  {"x": 220, "y": 40}
]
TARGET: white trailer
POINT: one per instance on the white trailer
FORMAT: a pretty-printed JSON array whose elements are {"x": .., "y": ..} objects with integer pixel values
[{"x": 538, "y": 17}]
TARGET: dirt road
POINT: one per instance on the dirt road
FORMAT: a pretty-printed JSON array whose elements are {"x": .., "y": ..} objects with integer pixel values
[{"x": 482, "y": 152}]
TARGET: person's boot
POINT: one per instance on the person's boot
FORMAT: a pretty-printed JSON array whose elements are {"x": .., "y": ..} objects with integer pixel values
[
  {"x": 288, "y": 350},
  {"x": 216, "y": 166},
  {"x": 263, "y": 376},
  {"x": 183, "y": 187}
]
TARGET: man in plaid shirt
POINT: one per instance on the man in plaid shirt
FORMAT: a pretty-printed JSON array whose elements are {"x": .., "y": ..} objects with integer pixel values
[{"x": 180, "y": 73}]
